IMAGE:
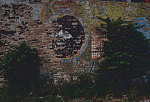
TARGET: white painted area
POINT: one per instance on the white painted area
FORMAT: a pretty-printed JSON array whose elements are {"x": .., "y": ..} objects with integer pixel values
[
  {"x": 75, "y": 23},
  {"x": 87, "y": 8},
  {"x": 129, "y": 8},
  {"x": 36, "y": 11},
  {"x": 12, "y": 27},
  {"x": 64, "y": 34}
]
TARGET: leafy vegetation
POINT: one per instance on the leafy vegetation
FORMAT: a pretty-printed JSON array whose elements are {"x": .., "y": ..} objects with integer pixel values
[
  {"x": 82, "y": 88},
  {"x": 21, "y": 68},
  {"x": 126, "y": 55}
]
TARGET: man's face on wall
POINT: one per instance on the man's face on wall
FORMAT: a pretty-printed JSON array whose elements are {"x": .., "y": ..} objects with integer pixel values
[{"x": 69, "y": 37}]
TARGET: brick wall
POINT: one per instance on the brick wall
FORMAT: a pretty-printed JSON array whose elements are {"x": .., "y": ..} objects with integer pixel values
[{"x": 39, "y": 22}]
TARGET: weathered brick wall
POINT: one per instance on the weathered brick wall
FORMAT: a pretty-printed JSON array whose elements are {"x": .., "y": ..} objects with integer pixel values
[{"x": 40, "y": 22}]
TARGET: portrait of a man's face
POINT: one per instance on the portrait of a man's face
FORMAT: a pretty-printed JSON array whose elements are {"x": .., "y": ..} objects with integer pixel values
[{"x": 69, "y": 37}]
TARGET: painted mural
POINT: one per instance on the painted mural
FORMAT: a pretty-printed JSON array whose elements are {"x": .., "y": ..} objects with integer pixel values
[{"x": 63, "y": 31}]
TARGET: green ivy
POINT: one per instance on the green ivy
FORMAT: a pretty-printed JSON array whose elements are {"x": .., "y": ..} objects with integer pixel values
[
  {"x": 21, "y": 67},
  {"x": 126, "y": 53}
]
